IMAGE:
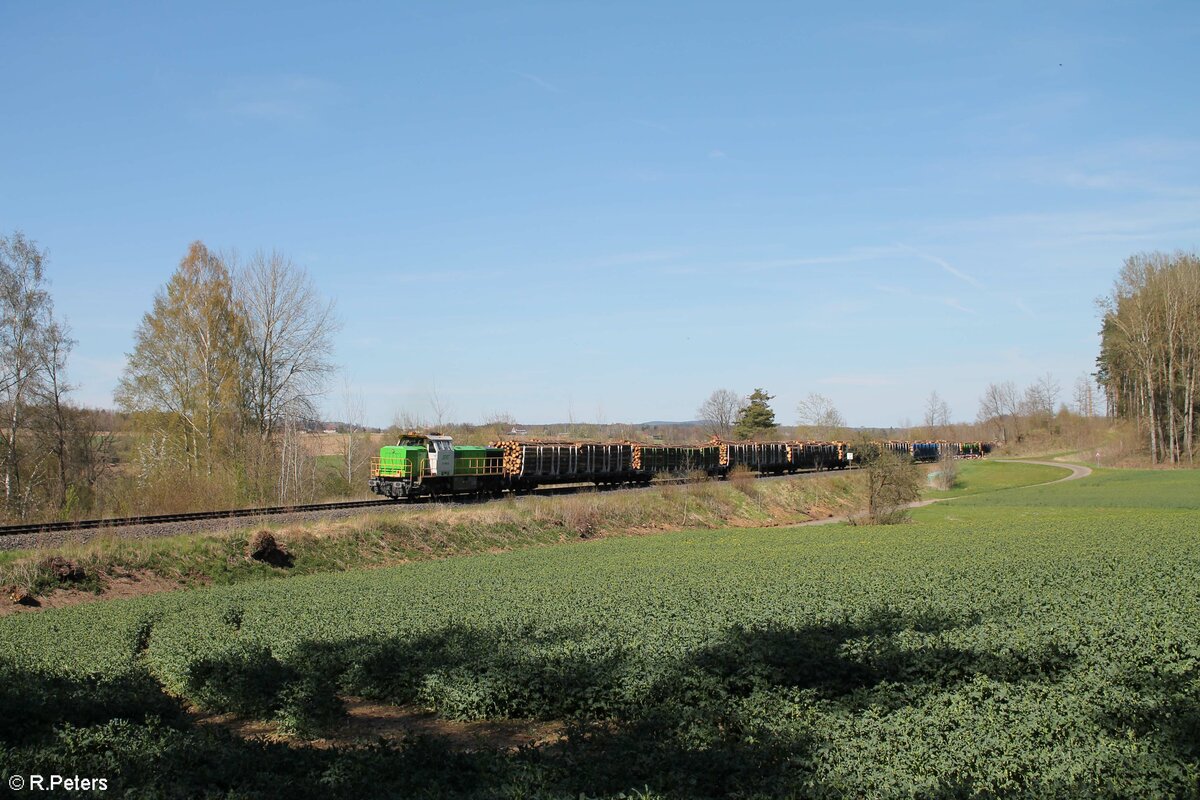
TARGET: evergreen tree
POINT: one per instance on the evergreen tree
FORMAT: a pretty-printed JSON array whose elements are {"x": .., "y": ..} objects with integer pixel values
[{"x": 756, "y": 416}]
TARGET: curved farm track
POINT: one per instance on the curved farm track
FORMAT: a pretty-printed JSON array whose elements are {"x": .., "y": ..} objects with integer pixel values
[{"x": 1077, "y": 471}]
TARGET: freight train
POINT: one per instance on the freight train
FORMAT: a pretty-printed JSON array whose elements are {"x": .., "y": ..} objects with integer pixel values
[{"x": 431, "y": 465}]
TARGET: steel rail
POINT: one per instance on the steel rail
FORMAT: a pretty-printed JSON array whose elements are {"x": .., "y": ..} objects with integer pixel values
[{"x": 160, "y": 519}]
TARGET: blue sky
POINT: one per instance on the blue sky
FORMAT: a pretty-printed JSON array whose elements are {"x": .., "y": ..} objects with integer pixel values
[{"x": 604, "y": 211}]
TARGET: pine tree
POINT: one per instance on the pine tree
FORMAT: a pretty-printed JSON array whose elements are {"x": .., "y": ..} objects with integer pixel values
[{"x": 756, "y": 416}]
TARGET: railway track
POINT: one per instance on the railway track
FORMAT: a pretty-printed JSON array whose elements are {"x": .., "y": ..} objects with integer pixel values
[
  {"x": 36, "y": 529},
  {"x": 163, "y": 519}
]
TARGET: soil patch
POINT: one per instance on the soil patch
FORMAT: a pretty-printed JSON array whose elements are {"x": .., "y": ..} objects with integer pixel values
[
  {"x": 116, "y": 587},
  {"x": 367, "y": 722}
]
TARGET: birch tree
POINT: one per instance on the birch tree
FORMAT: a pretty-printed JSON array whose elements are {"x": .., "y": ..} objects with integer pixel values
[
  {"x": 1150, "y": 350},
  {"x": 25, "y": 316},
  {"x": 185, "y": 374}
]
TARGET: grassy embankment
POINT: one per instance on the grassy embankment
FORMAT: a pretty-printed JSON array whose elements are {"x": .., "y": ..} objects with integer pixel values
[
  {"x": 1034, "y": 642},
  {"x": 428, "y": 532},
  {"x": 980, "y": 475}
]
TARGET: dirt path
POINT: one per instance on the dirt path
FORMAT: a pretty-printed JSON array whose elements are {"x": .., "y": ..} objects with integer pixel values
[{"x": 1077, "y": 471}]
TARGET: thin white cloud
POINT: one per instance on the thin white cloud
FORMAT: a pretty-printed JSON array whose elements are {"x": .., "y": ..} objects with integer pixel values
[
  {"x": 537, "y": 81},
  {"x": 1133, "y": 222},
  {"x": 949, "y": 302},
  {"x": 944, "y": 264},
  {"x": 854, "y": 255},
  {"x": 715, "y": 153},
  {"x": 970, "y": 280},
  {"x": 651, "y": 256},
  {"x": 656, "y": 126},
  {"x": 286, "y": 98},
  {"x": 1019, "y": 303}
]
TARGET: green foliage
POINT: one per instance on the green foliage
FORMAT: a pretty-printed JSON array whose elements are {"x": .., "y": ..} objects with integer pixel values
[
  {"x": 756, "y": 416},
  {"x": 1011, "y": 649}
]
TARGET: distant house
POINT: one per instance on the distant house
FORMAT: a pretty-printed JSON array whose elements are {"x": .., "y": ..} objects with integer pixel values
[{"x": 517, "y": 431}]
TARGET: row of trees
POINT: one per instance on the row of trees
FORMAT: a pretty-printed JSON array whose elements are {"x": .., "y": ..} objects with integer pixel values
[
  {"x": 51, "y": 451},
  {"x": 225, "y": 372},
  {"x": 725, "y": 413},
  {"x": 221, "y": 384},
  {"x": 1149, "y": 363},
  {"x": 1010, "y": 412}
]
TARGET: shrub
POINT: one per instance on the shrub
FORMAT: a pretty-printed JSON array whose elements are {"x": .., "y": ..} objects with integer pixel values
[
  {"x": 265, "y": 548},
  {"x": 947, "y": 473},
  {"x": 893, "y": 481},
  {"x": 743, "y": 480}
]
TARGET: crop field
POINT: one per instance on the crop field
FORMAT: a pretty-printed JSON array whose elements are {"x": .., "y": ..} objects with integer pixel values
[{"x": 1040, "y": 642}]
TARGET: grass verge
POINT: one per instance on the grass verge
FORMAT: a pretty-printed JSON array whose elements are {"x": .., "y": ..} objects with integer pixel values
[
  {"x": 979, "y": 476},
  {"x": 119, "y": 567}
]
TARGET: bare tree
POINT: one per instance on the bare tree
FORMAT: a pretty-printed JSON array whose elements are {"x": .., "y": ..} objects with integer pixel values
[
  {"x": 353, "y": 408},
  {"x": 819, "y": 413},
  {"x": 405, "y": 421},
  {"x": 1085, "y": 396},
  {"x": 1000, "y": 407},
  {"x": 498, "y": 424},
  {"x": 290, "y": 333},
  {"x": 54, "y": 412},
  {"x": 1041, "y": 397},
  {"x": 937, "y": 415},
  {"x": 720, "y": 411},
  {"x": 440, "y": 407}
]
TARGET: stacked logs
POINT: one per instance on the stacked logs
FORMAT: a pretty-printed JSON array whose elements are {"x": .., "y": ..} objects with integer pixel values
[
  {"x": 636, "y": 457},
  {"x": 513, "y": 456},
  {"x": 722, "y": 450},
  {"x": 553, "y": 459}
]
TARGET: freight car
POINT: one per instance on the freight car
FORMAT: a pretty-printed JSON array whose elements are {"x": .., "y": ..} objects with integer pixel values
[{"x": 421, "y": 465}]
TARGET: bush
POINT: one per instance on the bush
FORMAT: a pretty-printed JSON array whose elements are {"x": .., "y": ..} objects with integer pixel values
[
  {"x": 893, "y": 481},
  {"x": 743, "y": 480},
  {"x": 947, "y": 473}
]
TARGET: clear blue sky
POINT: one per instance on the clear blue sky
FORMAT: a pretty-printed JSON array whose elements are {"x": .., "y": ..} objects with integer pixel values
[{"x": 606, "y": 210}]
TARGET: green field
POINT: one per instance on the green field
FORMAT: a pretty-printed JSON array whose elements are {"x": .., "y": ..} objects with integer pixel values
[
  {"x": 1040, "y": 642},
  {"x": 978, "y": 476}
]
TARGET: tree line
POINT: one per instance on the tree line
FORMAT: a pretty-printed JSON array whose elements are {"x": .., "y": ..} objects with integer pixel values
[
  {"x": 225, "y": 370},
  {"x": 224, "y": 375},
  {"x": 726, "y": 414},
  {"x": 52, "y": 452},
  {"x": 1149, "y": 362}
]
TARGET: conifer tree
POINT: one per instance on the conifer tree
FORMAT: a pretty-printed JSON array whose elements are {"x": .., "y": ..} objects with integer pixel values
[{"x": 756, "y": 416}]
